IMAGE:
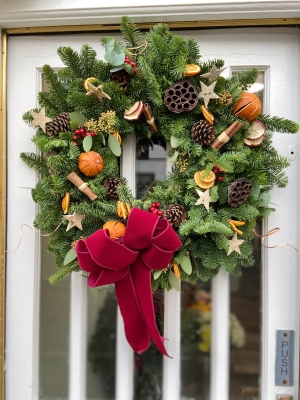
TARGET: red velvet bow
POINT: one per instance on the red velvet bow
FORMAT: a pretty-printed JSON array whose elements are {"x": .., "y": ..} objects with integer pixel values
[{"x": 149, "y": 244}]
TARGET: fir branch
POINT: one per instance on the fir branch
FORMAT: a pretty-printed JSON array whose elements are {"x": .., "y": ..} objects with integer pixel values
[
  {"x": 130, "y": 32},
  {"x": 277, "y": 124},
  {"x": 36, "y": 162},
  {"x": 63, "y": 273}
]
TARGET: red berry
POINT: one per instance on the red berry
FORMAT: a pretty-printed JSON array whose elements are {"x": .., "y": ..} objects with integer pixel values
[
  {"x": 81, "y": 131},
  {"x": 75, "y": 144},
  {"x": 87, "y": 133},
  {"x": 75, "y": 137},
  {"x": 220, "y": 178},
  {"x": 157, "y": 204},
  {"x": 155, "y": 211},
  {"x": 135, "y": 71},
  {"x": 133, "y": 64},
  {"x": 153, "y": 205},
  {"x": 159, "y": 212},
  {"x": 93, "y": 133},
  {"x": 217, "y": 166},
  {"x": 127, "y": 60},
  {"x": 152, "y": 209},
  {"x": 77, "y": 131},
  {"x": 82, "y": 135},
  {"x": 216, "y": 171}
]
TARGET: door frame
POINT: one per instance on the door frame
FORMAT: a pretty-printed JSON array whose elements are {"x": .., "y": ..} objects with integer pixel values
[{"x": 5, "y": 33}]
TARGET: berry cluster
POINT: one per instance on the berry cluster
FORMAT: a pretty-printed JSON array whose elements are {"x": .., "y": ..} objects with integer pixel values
[
  {"x": 154, "y": 209},
  {"x": 81, "y": 133},
  {"x": 132, "y": 64},
  {"x": 218, "y": 171}
]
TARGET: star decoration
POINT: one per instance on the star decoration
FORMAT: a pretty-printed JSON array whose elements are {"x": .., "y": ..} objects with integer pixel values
[
  {"x": 40, "y": 119},
  {"x": 213, "y": 74},
  {"x": 204, "y": 198},
  {"x": 74, "y": 220},
  {"x": 207, "y": 93},
  {"x": 234, "y": 244},
  {"x": 97, "y": 91}
]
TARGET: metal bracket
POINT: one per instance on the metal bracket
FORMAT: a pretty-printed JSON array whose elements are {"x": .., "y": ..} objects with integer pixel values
[{"x": 284, "y": 397}]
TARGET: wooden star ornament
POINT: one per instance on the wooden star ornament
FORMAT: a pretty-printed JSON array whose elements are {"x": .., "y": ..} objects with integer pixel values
[
  {"x": 97, "y": 91},
  {"x": 74, "y": 220},
  {"x": 213, "y": 74},
  {"x": 204, "y": 198},
  {"x": 234, "y": 244},
  {"x": 207, "y": 92},
  {"x": 40, "y": 119}
]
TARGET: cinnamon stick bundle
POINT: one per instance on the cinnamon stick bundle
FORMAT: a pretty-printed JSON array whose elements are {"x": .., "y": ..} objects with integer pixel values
[
  {"x": 150, "y": 118},
  {"x": 82, "y": 186},
  {"x": 225, "y": 136}
]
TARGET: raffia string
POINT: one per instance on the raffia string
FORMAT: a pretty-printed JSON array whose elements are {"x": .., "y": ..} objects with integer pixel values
[
  {"x": 269, "y": 233},
  {"x": 33, "y": 230},
  {"x": 81, "y": 187},
  {"x": 223, "y": 137}
]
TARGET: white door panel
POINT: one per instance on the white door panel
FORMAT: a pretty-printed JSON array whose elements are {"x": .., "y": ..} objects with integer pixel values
[{"x": 276, "y": 50}]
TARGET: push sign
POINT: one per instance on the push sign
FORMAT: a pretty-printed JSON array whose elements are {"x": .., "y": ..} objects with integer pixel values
[{"x": 284, "y": 364}]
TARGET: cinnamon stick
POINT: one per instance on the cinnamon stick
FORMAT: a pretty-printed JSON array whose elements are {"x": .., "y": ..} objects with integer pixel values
[
  {"x": 226, "y": 135},
  {"x": 150, "y": 118},
  {"x": 81, "y": 185}
]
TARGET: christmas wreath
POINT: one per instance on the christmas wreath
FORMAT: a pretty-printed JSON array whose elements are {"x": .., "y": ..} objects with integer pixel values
[{"x": 224, "y": 165}]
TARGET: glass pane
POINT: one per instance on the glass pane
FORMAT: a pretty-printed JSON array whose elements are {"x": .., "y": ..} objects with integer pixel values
[
  {"x": 195, "y": 340},
  {"x": 150, "y": 168},
  {"x": 101, "y": 343},
  {"x": 54, "y": 331}
]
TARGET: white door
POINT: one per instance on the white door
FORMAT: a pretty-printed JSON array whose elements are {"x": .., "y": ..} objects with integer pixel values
[{"x": 53, "y": 347}]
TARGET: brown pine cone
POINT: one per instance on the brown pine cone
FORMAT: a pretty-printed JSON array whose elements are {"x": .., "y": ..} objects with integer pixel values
[
  {"x": 111, "y": 185},
  {"x": 175, "y": 214},
  {"x": 60, "y": 124},
  {"x": 122, "y": 78},
  {"x": 203, "y": 132}
]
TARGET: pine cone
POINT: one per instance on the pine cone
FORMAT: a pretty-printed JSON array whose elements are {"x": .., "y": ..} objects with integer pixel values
[
  {"x": 225, "y": 98},
  {"x": 60, "y": 124},
  {"x": 122, "y": 78},
  {"x": 203, "y": 132},
  {"x": 111, "y": 185},
  {"x": 238, "y": 191},
  {"x": 175, "y": 214}
]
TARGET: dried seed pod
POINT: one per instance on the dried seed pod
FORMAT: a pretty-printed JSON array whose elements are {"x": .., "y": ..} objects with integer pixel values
[{"x": 238, "y": 192}]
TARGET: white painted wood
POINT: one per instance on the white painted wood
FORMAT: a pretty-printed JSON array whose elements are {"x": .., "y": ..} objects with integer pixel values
[
  {"x": 219, "y": 355},
  {"x": 78, "y": 337},
  {"x": 171, "y": 366},
  {"x": 275, "y": 47},
  {"x": 17, "y": 13}
]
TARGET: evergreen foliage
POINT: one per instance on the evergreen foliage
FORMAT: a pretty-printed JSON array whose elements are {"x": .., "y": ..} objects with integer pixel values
[{"x": 161, "y": 64}]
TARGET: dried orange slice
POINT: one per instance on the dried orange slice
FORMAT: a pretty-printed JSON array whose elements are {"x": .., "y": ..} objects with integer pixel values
[
  {"x": 191, "y": 70},
  {"x": 87, "y": 81},
  {"x": 207, "y": 115},
  {"x": 205, "y": 179}
]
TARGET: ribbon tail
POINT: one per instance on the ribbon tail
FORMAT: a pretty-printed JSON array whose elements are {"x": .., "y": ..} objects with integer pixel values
[
  {"x": 141, "y": 276},
  {"x": 134, "y": 324}
]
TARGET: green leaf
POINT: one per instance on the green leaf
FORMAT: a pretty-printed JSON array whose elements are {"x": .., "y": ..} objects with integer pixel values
[
  {"x": 187, "y": 241},
  {"x": 267, "y": 211},
  {"x": 70, "y": 256},
  {"x": 156, "y": 274},
  {"x": 118, "y": 59},
  {"x": 103, "y": 138},
  {"x": 75, "y": 116},
  {"x": 175, "y": 142},
  {"x": 186, "y": 265},
  {"x": 36, "y": 190},
  {"x": 174, "y": 282},
  {"x": 87, "y": 143},
  {"x": 255, "y": 191},
  {"x": 114, "y": 145},
  {"x": 117, "y": 69},
  {"x": 175, "y": 155},
  {"x": 265, "y": 198}
]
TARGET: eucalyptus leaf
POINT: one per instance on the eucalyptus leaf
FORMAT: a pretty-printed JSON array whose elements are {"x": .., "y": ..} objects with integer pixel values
[
  {"x": 175, "y": 142},
  {"x": 185, "y": 264},
  {"x": 175, "y": 155},
  {"x": 70, "y": 256},
  {"x": 75, "y": 116},
  {"x": 116, "y": 69},
  {"x": 174, "y": 282},
  {"x": 87, "y": 143},
  {"x": 156, "y": 274},
  {"x": 102, "y": 137},
  {"x": 187, "y": 241},
  {"x": 267, "y": 211},
  {"x": 265, "y": 198},
  {"x": 118, "y": 59},
  {"x": 114, "y": 145},
  {"x": 255, "y": 191}
]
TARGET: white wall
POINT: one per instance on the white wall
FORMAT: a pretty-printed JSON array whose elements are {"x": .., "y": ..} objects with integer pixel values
[{"x": 29, "y": 13}]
